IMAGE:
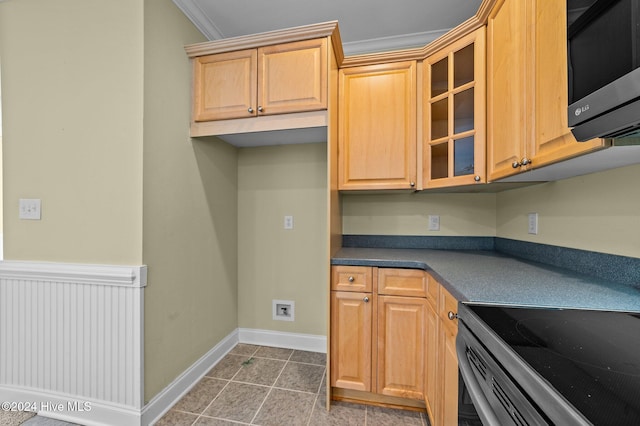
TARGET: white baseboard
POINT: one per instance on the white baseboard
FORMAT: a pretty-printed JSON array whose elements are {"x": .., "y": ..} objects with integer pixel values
[
  {"x": 167, "y": 398},
  {"x": 69, "y": 408},
  {"x": 279, "y": 339}
]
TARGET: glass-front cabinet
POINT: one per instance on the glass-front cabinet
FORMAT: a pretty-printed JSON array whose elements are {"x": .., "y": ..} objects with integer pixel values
[{"x": 453, "y": 151}]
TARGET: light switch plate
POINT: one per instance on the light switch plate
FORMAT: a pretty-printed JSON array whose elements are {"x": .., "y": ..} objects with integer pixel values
[{"x": 29, "y": 209}]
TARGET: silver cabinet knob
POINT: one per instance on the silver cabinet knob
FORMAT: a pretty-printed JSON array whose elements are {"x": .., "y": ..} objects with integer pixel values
[
  {"x": 351, "y": 279},
  {"x": 452, "y": 316},
  {"x": 476, "y": 178},
  {"x": 525, "y": 161},
  {"x": 413, "y": 184},
  {"x": 366, "y": 299},
  {"x": 250, "y": 110},
  {"x": 260, "y": 108},
  {"x": 515, "y": 164}
]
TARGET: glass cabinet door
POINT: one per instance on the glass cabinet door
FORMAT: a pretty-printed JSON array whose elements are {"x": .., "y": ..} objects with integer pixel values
[{"x": 454, "y": 114}]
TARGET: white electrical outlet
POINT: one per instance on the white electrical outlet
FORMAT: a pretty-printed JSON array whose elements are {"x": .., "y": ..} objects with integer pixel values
[
  {"x": 283, "y": 310},
  {"x": 533, "y": 223},
  {"x": 434, "y": 222},
  {"x": 29, "y": 209},
  {"x": 288, "y": 222}
]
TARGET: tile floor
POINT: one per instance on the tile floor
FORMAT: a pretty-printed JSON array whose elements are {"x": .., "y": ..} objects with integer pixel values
[{"x": 261, "y": 385}]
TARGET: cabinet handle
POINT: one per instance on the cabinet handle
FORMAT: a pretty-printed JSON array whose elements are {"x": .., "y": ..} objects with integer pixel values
[
  {"x": 515, "y": 164},
  {"x": 366, "y": 299},
  {"x": 250, "y": 110},
  {"x": 477, "y": 178},
  {"x": 413, "y": 184},
  {"x": 525, "y": 161},
  {"x": 452, "y": 316},
  {"x": 260, "y": 108},
  {"x": 351, "y": 279}
]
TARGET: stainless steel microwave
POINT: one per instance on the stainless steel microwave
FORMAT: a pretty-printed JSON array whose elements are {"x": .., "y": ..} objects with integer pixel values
[{"x": 604, "y": 68}]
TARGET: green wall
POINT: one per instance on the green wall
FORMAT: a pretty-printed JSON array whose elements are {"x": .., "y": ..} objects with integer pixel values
[
  {"x": 96, "y": 102},
  {"x": 598, "y": 212},
  {"x": 72, "y": 77},
  {"x": 274, "y": 263}
]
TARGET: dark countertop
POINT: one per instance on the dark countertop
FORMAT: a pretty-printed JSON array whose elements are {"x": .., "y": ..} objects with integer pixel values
[{"x": 491, "y": 277}]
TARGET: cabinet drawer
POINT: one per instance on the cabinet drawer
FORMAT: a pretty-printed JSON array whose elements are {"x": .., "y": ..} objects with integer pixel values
[
  {"x": 402, "y": 282},
  {"x": 351, "y": 278}
]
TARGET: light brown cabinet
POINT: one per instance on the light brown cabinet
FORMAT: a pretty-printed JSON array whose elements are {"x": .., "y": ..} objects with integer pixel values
[
  {"x": 527, "y": 124},
  {"x": 377, "y": 126},
  {"x": 378, "y": 338},
  {"x": 276, "y": 79},
  {"x": 351, "y": 316},
  {"x": 453, "y": 152},
  {"x": 441, "y": 394}
]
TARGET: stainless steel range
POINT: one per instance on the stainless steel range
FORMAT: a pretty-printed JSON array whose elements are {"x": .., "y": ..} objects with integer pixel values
[{"x": 537, "y": 366}]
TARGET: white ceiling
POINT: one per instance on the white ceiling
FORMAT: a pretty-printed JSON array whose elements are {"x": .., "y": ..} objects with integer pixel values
[{"x": 365, "y": 25}]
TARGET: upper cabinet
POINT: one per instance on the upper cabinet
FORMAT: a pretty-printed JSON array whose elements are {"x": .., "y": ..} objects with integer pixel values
[
  {"x": 453, "y": 152},
  {"x": 527, "y": 88},
  {"x": 277, "y": 79},
  {"x": 377, "y": 126},
  {"x": 272, "y": 81}
]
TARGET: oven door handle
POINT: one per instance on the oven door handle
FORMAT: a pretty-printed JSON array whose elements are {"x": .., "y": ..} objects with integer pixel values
[{"x": 483, "y": 408}]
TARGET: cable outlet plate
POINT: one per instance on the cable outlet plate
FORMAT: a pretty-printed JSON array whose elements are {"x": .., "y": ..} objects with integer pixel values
[{"x": 283, "y": 310}]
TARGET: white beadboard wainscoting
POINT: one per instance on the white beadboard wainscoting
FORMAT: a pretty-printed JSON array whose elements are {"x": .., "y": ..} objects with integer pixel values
[{"x": 71, "y": 340}]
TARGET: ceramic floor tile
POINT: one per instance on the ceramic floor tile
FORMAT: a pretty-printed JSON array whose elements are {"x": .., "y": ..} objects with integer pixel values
[
  {"x": 283, "y": 407},
  {"x": 301, "y": 377},
  {"x": 209, "y": 421},
  {"x": 244, "y": 349},
  {"x": 261, "y": 371},
  {"x": 177, "y": 418},
  {"x": 317, "y": 358},
  {"x": 275, "y": 353},
  {"x": 201, "y": 395},
  {"x": 46, "y": 421},
  {"x": 227, "y": 367},
  {"x": 238, "y": 401},
  {"x": 378, "y": 416},
  {"x": 341, "y": 413}
]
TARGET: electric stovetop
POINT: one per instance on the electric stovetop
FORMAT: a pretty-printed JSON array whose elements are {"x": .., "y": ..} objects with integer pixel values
[{"x": 591, "y": 357}]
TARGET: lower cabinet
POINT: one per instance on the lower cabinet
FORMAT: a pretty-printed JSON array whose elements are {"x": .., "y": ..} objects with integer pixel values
[
  {"x": 441, "y": 395},
  {"x": 401, "y": 342},
  {"x": 351, "y": 340},
  {"x": 391, "y": 336}
]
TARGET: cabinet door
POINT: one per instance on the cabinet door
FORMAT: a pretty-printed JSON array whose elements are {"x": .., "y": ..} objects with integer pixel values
[
  {"x": 508, "y": 77},
  {"x": 431, "y": 365},
  {"x": 401, "y": 343},
  {"x": 351, "y": 315},
  {"x": 454, "y": 114},
  {"x": 225, "y": 85},
  {"x": 449, "y": 375},
  {"x": 292, "y": 77},
  {"x": 377, "y": 127},
  {"x": 553, "y": 138}
]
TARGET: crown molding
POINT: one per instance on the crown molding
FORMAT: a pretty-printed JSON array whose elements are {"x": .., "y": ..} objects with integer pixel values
[
  {"x": 383, "y": 44},
  {"x": 191, "y": 9}
]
